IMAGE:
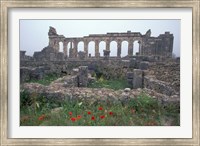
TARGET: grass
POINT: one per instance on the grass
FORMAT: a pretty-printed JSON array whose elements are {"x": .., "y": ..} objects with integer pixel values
[
  {"x": 111, "y": 84},
  {"x": 141, "y": 111},
  {"x": 46, "y": 80}
]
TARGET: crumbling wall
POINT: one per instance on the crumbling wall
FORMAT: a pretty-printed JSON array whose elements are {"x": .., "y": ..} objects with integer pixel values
[
  {"x": 168, "y": 71},
  {"x": 48, "y": 54},
  {"x": 158, "y": 86},
  {"x": 109, "y": 69},
  {"x": 147, "y": 77}
]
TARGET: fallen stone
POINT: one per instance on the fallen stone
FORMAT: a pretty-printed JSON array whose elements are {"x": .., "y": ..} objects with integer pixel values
[{"x": 127, "y": 89}]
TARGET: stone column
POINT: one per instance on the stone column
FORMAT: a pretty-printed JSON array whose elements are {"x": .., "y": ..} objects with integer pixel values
[
  {"x": 118, "y": 49},
  {"x": 83, "y": 76},
  {"x": 108, "y": 45},
  {"x": 71, "y": 45},
  {"x": 57, "y": 46},
  {"x": 140, "y": 46},
  {"x": 106, "y": 54},
  {"x": 130, "y": 48},
  {"x": 65, "y": 48},
  {"x": 71, "y": 50},
  {"x": 96, "y": 48},
  {"x": 75, "y": 49},
  {"x": 138, "y": 78},
  {"x": 86, "y": 48}
]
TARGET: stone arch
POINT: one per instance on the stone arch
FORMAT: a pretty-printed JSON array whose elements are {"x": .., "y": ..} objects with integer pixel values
[
  {"x": 124, "y": 47},
  {"x": 102, "y": 46},
  {"x": 136, "y": 47},
  {"x": 80, "y": 46},
  {"x": 113, "y": 48},
  {"x": 91, "y": 48}
]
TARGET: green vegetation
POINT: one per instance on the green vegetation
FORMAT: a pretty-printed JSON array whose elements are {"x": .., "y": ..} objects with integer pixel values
[
  {"x": 141, "y": 111},
  {"x": 46, "y": 80},
  {"x": 111, "y": 84}
]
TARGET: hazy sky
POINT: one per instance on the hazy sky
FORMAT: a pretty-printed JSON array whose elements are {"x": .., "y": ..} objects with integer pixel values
[{"x": 34, "y": 33}]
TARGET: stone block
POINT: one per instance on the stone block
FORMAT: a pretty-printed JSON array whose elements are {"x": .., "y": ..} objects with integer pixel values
[
  {"x": 71, "y": 81},
  {"x": 60, "y": 56},
  {"x": 133, "y": 63},
  {"x": 24, "y": 74},
  {"x": 130, "y": 82},
  {"x": 83, "y": 76},
  {"x": 106, "y": 54},
  {"x": 81, "y": 55},
  {"x": 129, "y": 75},
  {"x": 137, "y": 78},
  {"x": 37, "y": 73},
  {"x": 144, "y": 65}
]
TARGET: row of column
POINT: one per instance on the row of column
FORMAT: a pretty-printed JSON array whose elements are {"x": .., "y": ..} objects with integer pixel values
[{"x": 97, "y": 54}]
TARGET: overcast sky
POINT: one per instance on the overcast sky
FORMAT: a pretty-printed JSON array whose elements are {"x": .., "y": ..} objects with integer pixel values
[{"x": 34, "y": 33}]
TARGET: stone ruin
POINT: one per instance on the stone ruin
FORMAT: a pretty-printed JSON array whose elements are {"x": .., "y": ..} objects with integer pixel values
[
  {"x": 148, "y": 45},
  {"x": 152, "y": 69}
]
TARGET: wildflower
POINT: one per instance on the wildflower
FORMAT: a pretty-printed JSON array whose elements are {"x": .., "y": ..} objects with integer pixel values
[
  {"x": 92, "y": 118},
  {"x": 73, "y": 119},
  {"x": 41, "y": 117},
  {"x": 89, "y": 113},
  {"x": 78, "y": 117},
  {"x": 102, "y": 117},
  {"x": 100, "y": 108},
  {"x": 70, "y": 113},
  {"x": 111, "y": 113},
  {"x": 132, "y": 111}
]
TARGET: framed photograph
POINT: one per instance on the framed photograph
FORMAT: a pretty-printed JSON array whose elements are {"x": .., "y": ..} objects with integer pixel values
[{"x": 100, "y": 72}]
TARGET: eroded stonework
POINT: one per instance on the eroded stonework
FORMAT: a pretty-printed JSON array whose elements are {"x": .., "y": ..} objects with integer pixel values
[
  {"x": 152, "y": 69},
  {"x": 148, "y": 45}
]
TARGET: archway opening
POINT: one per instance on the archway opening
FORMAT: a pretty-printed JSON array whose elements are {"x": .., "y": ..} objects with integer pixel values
[
  {"x": 136, "y": 47},
  {"x": 91, "y": 48},
  {"x": 81, "y": 46},
  {"x": 60, "y": 46},
  {"x": 102, "y": 46},
  {"x": 124, "y": 46},
  {"x": 113, "y": 48}
]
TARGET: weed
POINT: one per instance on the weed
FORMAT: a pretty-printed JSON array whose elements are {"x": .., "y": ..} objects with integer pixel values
[
  {"x": 46, "y": 80},
  {"x": 111, "y": 84},
  {"x": 143, "y": 110}
]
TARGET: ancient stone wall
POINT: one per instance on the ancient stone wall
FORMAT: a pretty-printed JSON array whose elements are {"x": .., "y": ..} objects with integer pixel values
[
  {"x": 25, "y": 57},
  {"x": 167, "y": 72},
  {"x": 48, "y": 54},
  {"x": 148, "y": 45},
  {"x": 161, "y": 77},
  {"x": 109, "y": 69}
]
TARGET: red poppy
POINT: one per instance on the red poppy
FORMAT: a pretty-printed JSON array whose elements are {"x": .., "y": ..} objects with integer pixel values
[
  {"x": 110, "y": 113},
  {"x": 73, "y": 119},
  {"x": 70, "y": 113},
  {"x": 89, "y": 113},
  {"x": 41, "y": 117},
  {"x": 100, "y": 108},
  {"x": 102, "y": 117},
  {"x": 92, "y": 118},
  {"x": 78, "y": 117}
]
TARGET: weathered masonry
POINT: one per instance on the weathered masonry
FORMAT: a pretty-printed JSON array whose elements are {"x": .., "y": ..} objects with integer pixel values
[{"x": 148, "y": 45}]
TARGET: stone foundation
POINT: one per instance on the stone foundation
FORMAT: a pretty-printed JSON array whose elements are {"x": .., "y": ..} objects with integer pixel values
[{"x": 158, "y": 86}]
